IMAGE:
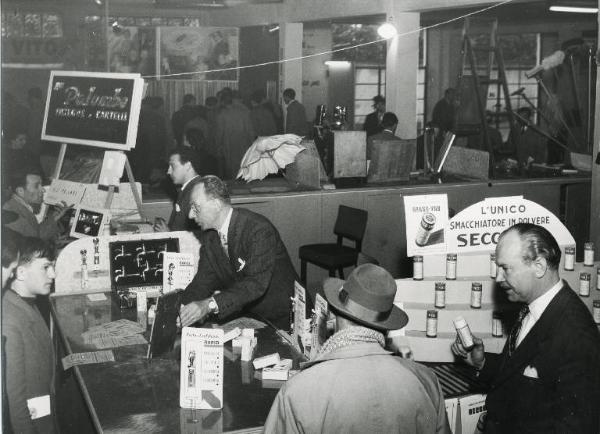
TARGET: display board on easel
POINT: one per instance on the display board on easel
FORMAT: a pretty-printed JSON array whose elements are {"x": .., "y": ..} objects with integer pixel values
[{"x": 94, "y": 109}]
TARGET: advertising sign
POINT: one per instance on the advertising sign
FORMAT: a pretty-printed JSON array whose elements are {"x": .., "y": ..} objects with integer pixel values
[
  {"x": 477, "y": 228},
  {"x": 426, "y": 217},
  {"x": 94, "y": 109}
]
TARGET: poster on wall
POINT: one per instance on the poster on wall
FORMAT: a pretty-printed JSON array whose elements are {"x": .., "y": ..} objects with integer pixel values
[
  {"x": 132, "y": 49},
  {"x": 187, "y": 50},
  {"x": 426, "y": 217},
  {"x": 93, "y": 109},
  {"x": 477, "y": 227}
]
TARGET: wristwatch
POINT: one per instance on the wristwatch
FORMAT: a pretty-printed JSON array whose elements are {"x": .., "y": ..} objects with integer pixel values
[{"x": 212, "y": 305}]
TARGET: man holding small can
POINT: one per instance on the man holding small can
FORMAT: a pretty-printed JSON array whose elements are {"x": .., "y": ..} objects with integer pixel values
[{"x": 547, "y": 378}]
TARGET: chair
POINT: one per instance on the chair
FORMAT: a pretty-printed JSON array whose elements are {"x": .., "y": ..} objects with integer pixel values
[{"x": 350, "y": 223}]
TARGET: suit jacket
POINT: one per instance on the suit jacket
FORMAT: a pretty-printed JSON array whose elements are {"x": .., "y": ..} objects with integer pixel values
[
  {"x": 295, "y": 121},
  {"x": 257, "y": 277},
  {"x": 564, "y": 348},
  {"x": 382, "y": 135},
  {"x": 372, "y": 124},
  {"x": 27, "y": 224},
  {"x": 29, "y": 363},
  {"x": 180, "y": 220}
]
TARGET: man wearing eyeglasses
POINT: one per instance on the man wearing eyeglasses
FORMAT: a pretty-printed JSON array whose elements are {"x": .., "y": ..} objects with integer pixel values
[{"x": 244, "y": 266}]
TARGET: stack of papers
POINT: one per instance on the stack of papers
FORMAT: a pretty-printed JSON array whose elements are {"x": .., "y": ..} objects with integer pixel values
[{"x": 118, "y": 333}]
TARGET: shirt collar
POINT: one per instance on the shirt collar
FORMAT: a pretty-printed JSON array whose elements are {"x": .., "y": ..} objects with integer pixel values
[
  {"x": 187, "y": 182},
  {"x": 22, "y": 202},
  {"x": 225, "y": 226},
  {"x": 539, "y": 305}
]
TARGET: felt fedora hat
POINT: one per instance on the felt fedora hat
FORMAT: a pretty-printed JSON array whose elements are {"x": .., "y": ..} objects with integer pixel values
[{"x": 367, "y": 297}]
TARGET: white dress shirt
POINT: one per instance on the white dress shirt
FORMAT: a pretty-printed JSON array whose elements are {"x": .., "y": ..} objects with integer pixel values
[
  {"x": 224, "y": 229},
  {"x": 536, "y": 309}
]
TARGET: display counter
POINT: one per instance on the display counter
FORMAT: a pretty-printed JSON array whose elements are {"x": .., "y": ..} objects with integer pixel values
[{"x": 137, "y": 395}]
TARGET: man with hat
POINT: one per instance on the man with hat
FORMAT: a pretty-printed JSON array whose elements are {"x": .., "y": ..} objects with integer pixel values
[
  {"x": 354, "y": 384},
  {"x": 373, "y": 120}
]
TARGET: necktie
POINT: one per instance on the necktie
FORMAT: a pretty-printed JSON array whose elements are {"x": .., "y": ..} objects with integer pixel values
[
  {"x": 224, "y": 243},
  {"x": 514, "y": 333}
]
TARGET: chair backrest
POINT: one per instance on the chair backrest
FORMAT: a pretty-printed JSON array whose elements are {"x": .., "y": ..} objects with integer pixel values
[{"x": 351, "y": 223}]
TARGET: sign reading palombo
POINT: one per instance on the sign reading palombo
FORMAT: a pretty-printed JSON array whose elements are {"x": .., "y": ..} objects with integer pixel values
[{"x": 94, "y": 109}]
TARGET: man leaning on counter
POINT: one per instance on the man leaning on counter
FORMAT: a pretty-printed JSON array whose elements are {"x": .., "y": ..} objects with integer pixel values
[{"x": 244, "y": 266}]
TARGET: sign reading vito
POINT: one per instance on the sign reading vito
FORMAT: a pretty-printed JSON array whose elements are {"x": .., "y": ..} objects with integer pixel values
[{"x": 94, "y": 109}]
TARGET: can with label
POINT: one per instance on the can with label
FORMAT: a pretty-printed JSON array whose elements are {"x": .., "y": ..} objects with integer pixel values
[
  {"x": 588, "y": 254},
  {"x": 497, "y": 329},
  {"x": 476, "y": 295},
  {"x": 451, "y": 266},
  {"x": 598, "y": 279},
  {"x": 569, "y": 258},
  {"x": 596, "y": 311},
  {"x": 440, "y": 295},
  {"x": 417, "y": 267},
  {"x": 584, "y": 284},
  {"x": 425, "y": 228},
  {"x": 464, "y": 333},
  {"x": 431, "y": 327},
  {"x": 493, "y": 268}
]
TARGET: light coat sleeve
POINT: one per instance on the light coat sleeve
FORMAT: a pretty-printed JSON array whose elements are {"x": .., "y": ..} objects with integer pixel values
[{"x": 281, "y": 417}]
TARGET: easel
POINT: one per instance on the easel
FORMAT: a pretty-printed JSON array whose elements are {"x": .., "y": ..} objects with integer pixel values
[{"x": 111, "y": 188}]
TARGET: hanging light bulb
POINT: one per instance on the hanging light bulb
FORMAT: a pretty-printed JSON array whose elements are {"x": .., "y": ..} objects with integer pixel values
[{"x": 387, "y": 30}]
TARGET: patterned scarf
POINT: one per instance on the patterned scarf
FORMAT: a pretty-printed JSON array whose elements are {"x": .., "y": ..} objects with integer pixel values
[{"x": 351, "y": 336}]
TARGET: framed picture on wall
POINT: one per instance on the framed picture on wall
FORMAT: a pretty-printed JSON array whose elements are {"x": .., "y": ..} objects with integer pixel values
[{"x": 89, "y": 222}]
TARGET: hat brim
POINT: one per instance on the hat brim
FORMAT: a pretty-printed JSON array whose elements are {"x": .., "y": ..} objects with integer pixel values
[{"x": 396, "y": 320}]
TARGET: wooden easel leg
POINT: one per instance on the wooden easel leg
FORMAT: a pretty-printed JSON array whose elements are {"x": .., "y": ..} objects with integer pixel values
[{"x": 138, "y": 200}]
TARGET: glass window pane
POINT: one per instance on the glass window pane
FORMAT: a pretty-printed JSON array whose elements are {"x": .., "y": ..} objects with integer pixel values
[
  {"x": 366, "y": 75},
  {"x": 363, "y": 108},
  {"x": 365, "y": 91}
]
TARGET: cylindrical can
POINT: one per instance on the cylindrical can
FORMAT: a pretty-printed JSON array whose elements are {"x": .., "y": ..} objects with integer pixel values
[
  {"x": 431, "y": 327},
  {"x": 451, "y": 266},
  {"x": 417, "y": 267},
  {"x": 584, "y": 284},
  {"x": 493, "y": 268},
  {"x": 440, "y": 295},
  {"x": 596, "y": 311},
  {"x": 424, "y": 230},
  {"x": 569, "y": 258},
  {"x": 464, "y": 333},
  {"x": 497, "y": 329},
  {"x": 588, "y": 254},
  {"x": 476, "y": 295},
  {"x": 598, "y": 279},
  {"x": 151, "y": 314}
]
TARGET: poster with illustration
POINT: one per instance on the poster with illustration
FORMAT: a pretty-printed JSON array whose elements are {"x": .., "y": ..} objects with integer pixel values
[
  {"x": 132, "y": 49},
  {"x": 199, "y": 52},
  {"x": 426, "y": 218}
]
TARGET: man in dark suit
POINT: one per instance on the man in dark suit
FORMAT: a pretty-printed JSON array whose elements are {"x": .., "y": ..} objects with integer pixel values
[
  {"x": 244, "y": 266},
  {"x": 389, "y": 123},
  {"x": 295, "y": 118},
  {"x": 182, "y": 170},
  {"x": 373, "y": 120},
  {"x": 28, "y": 353},
  {"x": 547, "y": 378}
]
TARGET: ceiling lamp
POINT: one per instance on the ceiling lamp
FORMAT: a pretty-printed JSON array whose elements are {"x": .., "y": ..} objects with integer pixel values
[
  {"x": 387, "y": 30},
  {"x": 580, "y": 7}
]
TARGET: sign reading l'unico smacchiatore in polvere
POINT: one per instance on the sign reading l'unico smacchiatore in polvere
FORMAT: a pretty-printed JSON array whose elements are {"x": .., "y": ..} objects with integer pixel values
[
  {"x": 477, "y": 227},
  {"x": 94, "y": 109}
]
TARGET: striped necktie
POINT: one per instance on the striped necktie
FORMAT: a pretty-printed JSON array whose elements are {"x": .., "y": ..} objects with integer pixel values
[{"x": 514, "y": 333}]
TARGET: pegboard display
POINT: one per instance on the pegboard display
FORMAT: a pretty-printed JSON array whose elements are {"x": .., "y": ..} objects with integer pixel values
[{"x": 139, "y": 263}]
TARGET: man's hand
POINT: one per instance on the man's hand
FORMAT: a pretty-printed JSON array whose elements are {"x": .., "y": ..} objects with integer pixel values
[
  {"x": 60, "y": 210},
  {"x": 160, "y": 225},
  {"x": 193, "y": 312},
  {"x": 475, "y": 357}
]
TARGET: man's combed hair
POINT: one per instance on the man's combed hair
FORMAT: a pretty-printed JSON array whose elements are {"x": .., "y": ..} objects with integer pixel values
[
  {"x": 537, "y": 242},
  {"x": 215, "y": 187},
  {"x": 389, "y": 120},
  {"x": 186, "y": 155},
  {"x": 33, "y": 248},
  {"x": 290, "y": 93}
]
